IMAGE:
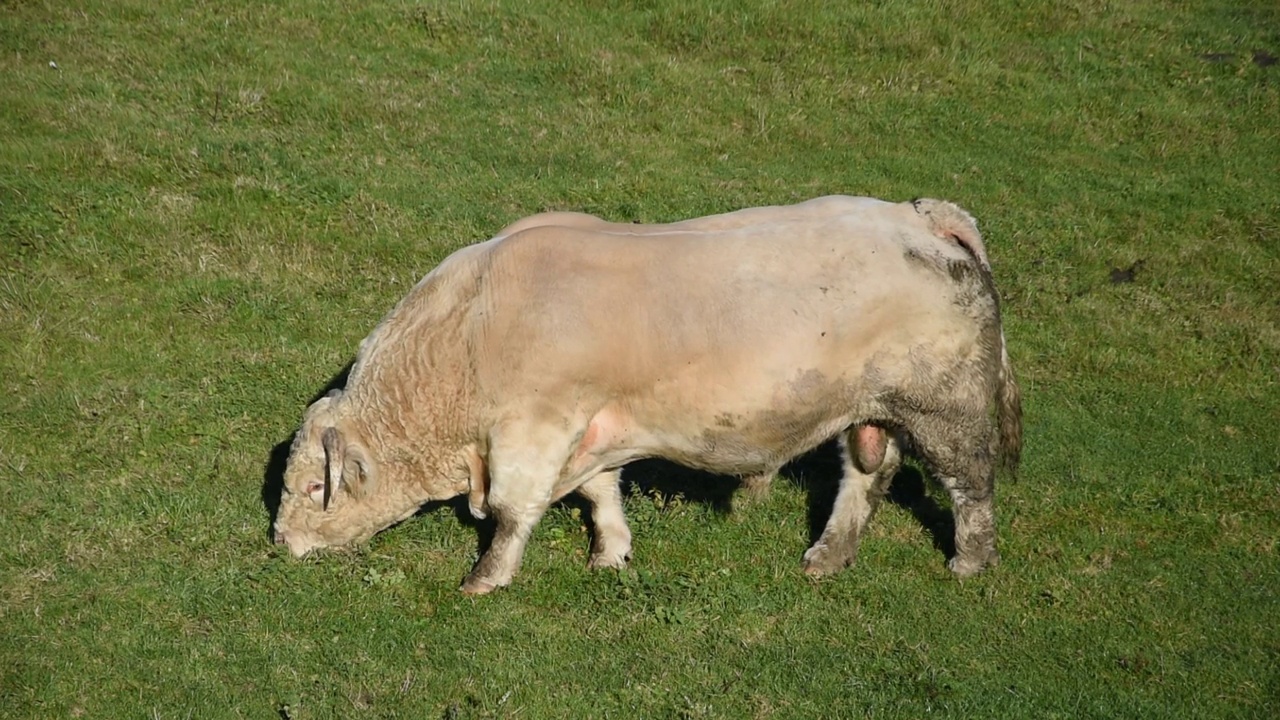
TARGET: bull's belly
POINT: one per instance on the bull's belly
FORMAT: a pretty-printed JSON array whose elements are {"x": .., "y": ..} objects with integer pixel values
[
  {"x": 738, "y": 414},
  {"x": 726, "y": 443},
  {"x": 745, "y": 451}
]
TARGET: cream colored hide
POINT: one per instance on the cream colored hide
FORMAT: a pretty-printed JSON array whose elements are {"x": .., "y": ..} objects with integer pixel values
[
  {"x": 540, "y": 362},
  {"x": 871, "y": 442}
]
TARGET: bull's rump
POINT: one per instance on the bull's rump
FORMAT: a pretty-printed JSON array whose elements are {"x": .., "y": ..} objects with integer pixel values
[{"x": 729, "y": 350}]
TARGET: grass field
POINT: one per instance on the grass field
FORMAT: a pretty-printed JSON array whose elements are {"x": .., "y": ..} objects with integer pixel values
[{"x": 205, "y": 206}]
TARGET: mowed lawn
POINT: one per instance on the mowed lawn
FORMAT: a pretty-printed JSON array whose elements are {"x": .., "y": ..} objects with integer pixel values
[{"x": 204, "y": 207}]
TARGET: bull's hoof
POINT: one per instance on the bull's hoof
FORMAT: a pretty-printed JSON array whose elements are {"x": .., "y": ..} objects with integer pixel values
[
  {"x": 968, "y": 566},
  {"x": 474, "y": 586},
  {"x": 613, "y": 560},
  {"x": 815, "y": 572},
  {"x": 822, "y": 559}
]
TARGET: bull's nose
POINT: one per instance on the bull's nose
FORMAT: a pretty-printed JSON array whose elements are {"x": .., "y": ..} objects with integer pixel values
[{"x": 279, "y": 538}]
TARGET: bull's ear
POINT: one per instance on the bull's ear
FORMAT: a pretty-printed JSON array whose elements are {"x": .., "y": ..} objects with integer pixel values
[
  {"x": 346, "y": 464},
  {"x": 357, "y": 471}
]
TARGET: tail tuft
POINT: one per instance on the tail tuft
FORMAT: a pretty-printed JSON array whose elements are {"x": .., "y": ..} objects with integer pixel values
[{"x": 1009, "y": 412}]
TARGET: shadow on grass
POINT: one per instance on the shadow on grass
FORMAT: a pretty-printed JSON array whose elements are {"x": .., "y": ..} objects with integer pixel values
[
  {"x": 668, "y": 480},
  {"x": 908, "y": 491},
  {"x": 819, "y": 471}
]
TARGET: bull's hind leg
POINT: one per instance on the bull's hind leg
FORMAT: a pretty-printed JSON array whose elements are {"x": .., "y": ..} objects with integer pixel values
[
  {"x": 757, "y": 486},
  {"x": 974, "y": 508},
  {"x": 870, "y": 457},
  {"x": 964, "y": 465},
  {"x": 611, "y": 538}
]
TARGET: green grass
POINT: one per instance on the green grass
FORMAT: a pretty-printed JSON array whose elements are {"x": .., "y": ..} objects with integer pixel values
[{"x": 205, "y": 206}]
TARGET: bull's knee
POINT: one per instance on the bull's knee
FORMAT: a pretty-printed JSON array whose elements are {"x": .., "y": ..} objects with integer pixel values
[{"x": 516, "y": 508}]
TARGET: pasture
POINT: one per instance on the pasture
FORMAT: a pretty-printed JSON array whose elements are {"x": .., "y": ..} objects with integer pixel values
[{"x": 204, "y": 207}]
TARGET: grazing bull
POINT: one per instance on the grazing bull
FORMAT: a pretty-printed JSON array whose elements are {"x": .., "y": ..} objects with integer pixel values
[{"x": 541, "y": 361}]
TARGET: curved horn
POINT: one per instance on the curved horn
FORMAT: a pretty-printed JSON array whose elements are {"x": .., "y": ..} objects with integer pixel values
[{"x": 333, "y": 457}]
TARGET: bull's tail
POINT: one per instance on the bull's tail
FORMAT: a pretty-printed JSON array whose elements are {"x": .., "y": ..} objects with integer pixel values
[
  {"x": 949, "y": 222},
  {"x": 1008, "y": 412}
]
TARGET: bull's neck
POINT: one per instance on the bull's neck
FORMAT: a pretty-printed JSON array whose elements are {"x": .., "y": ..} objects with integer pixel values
[{"x": 417, "y": 436}]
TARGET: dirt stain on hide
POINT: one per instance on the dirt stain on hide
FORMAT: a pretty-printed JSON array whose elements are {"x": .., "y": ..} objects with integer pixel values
[
  {"x": 960, "y": 271},
  {"x": 807, "y": 383},
  {"x": 763, "y": 440},
  {"x": 727, "y": 452},
  {"x": 915, "y": 257}
]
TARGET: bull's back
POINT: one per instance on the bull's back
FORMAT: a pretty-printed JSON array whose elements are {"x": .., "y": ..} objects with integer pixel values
[
  {"x": 809, "y": 210},
  {"x": 765, "y": 332}
]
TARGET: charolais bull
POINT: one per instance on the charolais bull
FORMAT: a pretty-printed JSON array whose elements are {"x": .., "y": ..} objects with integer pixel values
[{"x": 541, "y": 361}]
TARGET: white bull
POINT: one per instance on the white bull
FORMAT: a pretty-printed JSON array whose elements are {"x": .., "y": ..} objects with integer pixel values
[{"x": 541, "y": 361}]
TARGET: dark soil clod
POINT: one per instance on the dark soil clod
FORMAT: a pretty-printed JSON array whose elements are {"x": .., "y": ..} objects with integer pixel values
[{"x": 1126, "y": 275}]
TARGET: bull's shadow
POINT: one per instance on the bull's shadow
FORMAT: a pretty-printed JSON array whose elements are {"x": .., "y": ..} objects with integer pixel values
[
  {"x": 667, "y": 480},
  {"x": 818, "y": 472}
]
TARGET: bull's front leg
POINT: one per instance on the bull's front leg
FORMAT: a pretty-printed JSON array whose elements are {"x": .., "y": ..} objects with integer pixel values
[
  {"x": 500, "y": 562},
  {"x": 524, "y": 461}
]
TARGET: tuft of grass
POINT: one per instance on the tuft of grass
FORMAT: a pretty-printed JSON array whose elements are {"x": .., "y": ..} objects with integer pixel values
[{"x": 204, "y": 208}]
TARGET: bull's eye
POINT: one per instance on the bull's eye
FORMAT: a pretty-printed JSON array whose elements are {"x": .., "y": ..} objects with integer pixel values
[{"x": 315, "y": 487}]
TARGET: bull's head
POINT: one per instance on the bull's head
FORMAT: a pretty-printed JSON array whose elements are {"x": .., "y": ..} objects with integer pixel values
[{"x": 327, "y": 484}]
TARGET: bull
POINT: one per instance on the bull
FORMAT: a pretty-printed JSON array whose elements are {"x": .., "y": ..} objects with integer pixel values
[{"x": 541, "y": 361}]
